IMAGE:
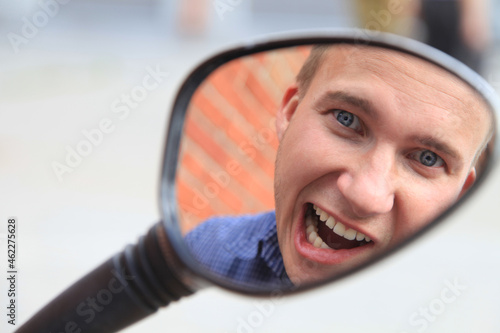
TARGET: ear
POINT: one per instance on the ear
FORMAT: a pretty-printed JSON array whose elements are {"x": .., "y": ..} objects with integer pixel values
[
  {"x": 469, "y": 181},
  {"x": 287, "y": 109}
]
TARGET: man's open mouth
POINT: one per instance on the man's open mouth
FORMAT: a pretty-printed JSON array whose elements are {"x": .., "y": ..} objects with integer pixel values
[{"x": 323, "y": 231}]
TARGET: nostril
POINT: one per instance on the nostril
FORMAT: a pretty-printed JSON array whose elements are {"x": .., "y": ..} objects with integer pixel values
[{"x": 365, "y": 195}]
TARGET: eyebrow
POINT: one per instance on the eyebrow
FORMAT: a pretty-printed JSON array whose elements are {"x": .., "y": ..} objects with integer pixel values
[
  {"x": 438, "y": 145},
  {"x": 356, "y": 101}
]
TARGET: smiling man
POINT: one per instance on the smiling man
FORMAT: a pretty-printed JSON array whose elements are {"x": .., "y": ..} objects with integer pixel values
[{"x": 374, "y": 144}]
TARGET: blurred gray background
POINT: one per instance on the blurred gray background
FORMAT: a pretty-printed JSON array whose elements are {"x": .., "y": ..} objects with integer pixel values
[{"x": 62, "y": 79}]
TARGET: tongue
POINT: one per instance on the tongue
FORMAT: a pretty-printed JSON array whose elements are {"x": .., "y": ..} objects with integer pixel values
[{"x": 333, "y": 240}]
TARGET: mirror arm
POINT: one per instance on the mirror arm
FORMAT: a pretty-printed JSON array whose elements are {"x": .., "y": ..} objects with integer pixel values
[{"x": 126, "y": 288}]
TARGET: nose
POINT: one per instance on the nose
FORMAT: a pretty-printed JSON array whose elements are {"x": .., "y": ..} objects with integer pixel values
[{"x": 368, "y": 186}]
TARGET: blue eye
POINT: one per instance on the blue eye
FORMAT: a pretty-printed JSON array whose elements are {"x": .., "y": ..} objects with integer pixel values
[
  {"x": 428, "y": 158},
  {"x": 347, "y": 119}
]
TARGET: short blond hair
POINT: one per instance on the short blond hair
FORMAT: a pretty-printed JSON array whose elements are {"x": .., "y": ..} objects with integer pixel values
[{"x": 308, "y": 70}]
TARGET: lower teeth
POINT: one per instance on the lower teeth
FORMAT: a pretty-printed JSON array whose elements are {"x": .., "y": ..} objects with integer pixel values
[{"x": 312, "y": 233}]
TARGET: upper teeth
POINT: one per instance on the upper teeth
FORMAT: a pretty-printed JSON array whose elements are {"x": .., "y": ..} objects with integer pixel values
[{"x": 337, "y": 227}]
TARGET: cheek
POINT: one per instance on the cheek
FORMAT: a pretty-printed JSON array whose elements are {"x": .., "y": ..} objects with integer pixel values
[
  {"x": 302, "y": 158},
  {"x": 298, "y": 164},
  {"x": 420, "y": 205}
]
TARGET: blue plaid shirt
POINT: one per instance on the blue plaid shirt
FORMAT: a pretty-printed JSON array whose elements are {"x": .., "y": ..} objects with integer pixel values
[{"x": 243, "y": 249}]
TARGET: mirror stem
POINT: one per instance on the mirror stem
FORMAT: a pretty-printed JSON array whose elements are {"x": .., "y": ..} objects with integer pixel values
[{"x": 125, "y": 289}]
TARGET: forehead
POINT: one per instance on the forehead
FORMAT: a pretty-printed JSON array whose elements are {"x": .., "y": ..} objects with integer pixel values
[{"x": 406, "y": 74}]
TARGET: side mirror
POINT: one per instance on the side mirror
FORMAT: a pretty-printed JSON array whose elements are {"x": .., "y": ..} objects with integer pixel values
[
  {"x": 379, "y": 138},
  {"x": 368, "y": 138}
]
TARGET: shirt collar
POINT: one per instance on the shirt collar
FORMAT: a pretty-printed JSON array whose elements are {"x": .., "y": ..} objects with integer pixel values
[
  {"x": 247, "y": 243},
  {"x": 260, "y": 239},
  {"x": 270, "y": 250}
]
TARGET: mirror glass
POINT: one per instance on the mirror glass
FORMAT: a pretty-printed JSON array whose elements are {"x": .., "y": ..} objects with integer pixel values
[{"x": 301, "y": 163}]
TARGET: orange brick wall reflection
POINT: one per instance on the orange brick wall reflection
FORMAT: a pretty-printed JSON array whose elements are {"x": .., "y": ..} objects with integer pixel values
[{"x": 229, "y": 145}]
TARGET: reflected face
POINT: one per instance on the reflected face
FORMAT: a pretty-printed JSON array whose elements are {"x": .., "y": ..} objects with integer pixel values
[{"x": 378, "y": 146}]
